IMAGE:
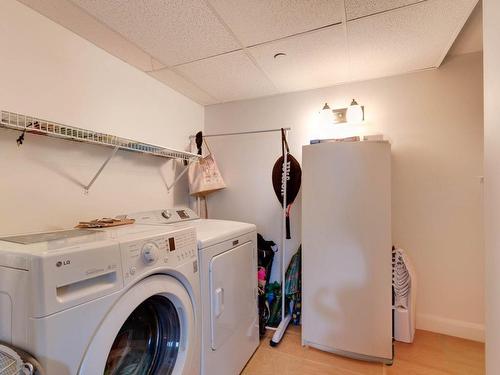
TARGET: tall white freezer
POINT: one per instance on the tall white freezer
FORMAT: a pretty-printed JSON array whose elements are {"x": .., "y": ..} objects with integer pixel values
[{"x": 346, "y": 257}]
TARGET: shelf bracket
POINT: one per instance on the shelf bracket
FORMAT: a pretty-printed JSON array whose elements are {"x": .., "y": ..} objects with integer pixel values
[
  {"x": 169, "y": 188},
  {"x": 87, "y": 188}
]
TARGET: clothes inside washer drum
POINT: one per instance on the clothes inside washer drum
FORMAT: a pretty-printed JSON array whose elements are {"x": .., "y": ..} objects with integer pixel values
[{"x": 148, "y": 342}]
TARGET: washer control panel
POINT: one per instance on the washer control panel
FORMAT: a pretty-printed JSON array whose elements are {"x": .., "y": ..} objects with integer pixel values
[
  {"x": 167, "y": 250},
  {"x": 150, "y": 253}
]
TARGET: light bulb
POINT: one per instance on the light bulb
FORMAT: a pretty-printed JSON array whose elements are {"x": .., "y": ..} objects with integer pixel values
[{"x": 354, "y": 113}]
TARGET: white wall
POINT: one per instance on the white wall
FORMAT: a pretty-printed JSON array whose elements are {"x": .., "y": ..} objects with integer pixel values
[
  {"x": 435, "y": 122},
  {"x": 491, "y": 32},
  {"x": 49, "y": 72}
]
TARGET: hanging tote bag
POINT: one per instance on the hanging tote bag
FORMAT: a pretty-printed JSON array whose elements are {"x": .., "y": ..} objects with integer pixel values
[{"x": 204, "y": 175}]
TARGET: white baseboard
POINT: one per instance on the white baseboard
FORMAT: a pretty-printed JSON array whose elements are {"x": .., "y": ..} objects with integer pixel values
[{"x": 451, "y": 327}]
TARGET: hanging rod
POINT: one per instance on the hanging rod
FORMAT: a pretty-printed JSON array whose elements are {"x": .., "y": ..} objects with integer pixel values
[{"x": 242, "y": 133}]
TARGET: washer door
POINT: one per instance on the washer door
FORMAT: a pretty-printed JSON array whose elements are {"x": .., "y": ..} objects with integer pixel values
[{"x": 149, "y": 331}]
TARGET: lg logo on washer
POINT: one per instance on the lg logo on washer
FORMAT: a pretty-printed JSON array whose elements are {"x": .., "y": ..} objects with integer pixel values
[{"x": 63, "y": 263}]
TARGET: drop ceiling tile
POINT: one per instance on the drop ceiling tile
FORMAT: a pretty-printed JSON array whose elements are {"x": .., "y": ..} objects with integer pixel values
[
  {"x": 260, "y": 21},
  {"x": 228, "y": 77},
  {"x": 174, "y": 31},
  {"x": 406, "y": 39},
  {"x": 182, "y": 85},
  {"x": 361, "y": 8},
  {"x": 315, "y": 59}
]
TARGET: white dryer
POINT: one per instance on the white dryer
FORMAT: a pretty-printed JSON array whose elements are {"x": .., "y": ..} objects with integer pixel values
[
  {"x": 228, "y": 273},
  {"x": 120, "y": 301}
]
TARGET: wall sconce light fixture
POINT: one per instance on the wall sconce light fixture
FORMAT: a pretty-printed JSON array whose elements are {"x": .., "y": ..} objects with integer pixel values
[{"x": 354, "y": 114}]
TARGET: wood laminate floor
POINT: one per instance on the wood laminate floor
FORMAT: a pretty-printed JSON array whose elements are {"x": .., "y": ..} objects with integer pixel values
[{"x": 430, "y": 354}]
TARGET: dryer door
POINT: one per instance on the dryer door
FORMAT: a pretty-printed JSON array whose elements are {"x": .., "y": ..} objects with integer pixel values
[
  {"x": 232, "y": 289},
  {"x": 150, "y": 330}
]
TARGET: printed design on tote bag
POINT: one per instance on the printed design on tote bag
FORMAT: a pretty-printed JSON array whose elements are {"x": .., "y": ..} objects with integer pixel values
[
  {"x": 204, "y": 175},
  {"x": 211, "y": 174}
]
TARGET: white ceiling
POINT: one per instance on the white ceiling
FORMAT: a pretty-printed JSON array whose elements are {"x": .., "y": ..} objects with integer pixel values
[
  {"x": 404, "y": 40},
  {"x": 259, "y": 21},
  {"x": 314, "y": 59},
  {"x": 223, "y": 50}
]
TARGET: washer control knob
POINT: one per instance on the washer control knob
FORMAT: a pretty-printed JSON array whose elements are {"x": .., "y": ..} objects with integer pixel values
[
  {"x": 166, "y": 214},
  {"x": 132, "y": 270},
  {"x": 150, "y": 253}
]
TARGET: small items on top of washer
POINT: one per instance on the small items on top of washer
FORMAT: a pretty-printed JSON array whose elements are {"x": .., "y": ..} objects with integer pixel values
[{"x": 105, "y": 222}]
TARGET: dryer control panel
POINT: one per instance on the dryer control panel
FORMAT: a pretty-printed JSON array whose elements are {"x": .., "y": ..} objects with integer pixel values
[
  {"x": 164, "y": 216},
  {"x": 157, "y": 252}
]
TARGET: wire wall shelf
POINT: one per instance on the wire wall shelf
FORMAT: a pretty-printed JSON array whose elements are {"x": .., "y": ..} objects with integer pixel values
[{"x": 33, "y": 125}]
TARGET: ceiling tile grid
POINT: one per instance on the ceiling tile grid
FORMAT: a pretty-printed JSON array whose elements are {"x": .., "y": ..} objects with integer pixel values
[
  {"x": 258, "y": 21},
  {"x": 222, "y": 50},
  {"x": 228, "y": 77},
  {"x": 155, "y": 65},
  {"x": 362, "y": 8},
  {"x": 174, "y": 31},
  {"x": 312, "y": 60},
  {"x": 406, "y": 39}
]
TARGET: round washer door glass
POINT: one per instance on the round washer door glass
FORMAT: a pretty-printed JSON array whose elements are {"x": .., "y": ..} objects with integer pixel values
[{"x": 148, "y": 342}]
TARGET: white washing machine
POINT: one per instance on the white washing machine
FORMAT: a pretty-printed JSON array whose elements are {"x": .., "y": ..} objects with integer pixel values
[
  {"x": 228, "y": 273},
  {"x": 118, "y": 301}
]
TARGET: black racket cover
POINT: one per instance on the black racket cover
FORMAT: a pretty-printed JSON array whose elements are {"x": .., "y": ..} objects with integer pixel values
[{"x": 294, "y": 179}]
